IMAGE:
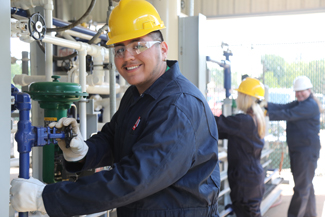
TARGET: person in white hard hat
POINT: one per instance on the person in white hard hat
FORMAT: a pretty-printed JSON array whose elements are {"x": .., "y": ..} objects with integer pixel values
[{"x": 303, "y": 126}]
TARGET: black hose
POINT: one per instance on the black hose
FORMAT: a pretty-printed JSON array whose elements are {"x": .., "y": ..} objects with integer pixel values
[{"x": 60, "y": 29}]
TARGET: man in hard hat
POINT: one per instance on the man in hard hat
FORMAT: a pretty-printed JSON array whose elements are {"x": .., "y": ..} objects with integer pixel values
[
  {"x": 161, "y": 143},
  {"x": 303, "y": 126}
]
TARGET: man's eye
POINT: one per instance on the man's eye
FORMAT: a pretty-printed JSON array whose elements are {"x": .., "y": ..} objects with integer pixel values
[
  {"x": 140, "y": 47},
  {"x": 119, "y": 50}
]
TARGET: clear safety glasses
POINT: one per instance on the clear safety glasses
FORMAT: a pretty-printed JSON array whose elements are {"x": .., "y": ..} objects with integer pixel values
[{"x": 133, "y": 48}]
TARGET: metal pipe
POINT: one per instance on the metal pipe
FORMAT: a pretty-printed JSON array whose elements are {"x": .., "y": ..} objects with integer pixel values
[
  {"x": 102, "y": 89},
  {"x": 25, "y": 80},
  {"x": 191, "y": 8},
  {"x": 24, "y": 136},
  {"x": 82, "y": 103},
  {"x": 112, "y": 78},
  {"x": 91, "y": 49},
  {"x": 48, "y": 46},
  {"x": 61, "y": 23},
  {"x": 19, "y": 12},
  {"x": 112, "y": 89},
  {"x": 78, "y": 34}
]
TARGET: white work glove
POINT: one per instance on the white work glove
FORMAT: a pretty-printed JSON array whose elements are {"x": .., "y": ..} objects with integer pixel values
[
  {"x": 78, "y": 148},
  {"x": 26, "y": 195}
]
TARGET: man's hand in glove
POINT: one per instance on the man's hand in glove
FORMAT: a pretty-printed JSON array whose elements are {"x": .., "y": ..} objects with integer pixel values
[
  {"x": 26, "y": 195},
  {"x": 78, "y": 148}
]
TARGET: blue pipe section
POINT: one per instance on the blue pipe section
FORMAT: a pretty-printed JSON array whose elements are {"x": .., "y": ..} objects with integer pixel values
[
  {"x": 227, "y": 74},
  {"x": 226, "y": 71},
  {"x": 24, "y": 136},
  {"x": 27, "y": 135},
  {"x": 19, "y": 12},
  {"x": 61, "y": 23}
]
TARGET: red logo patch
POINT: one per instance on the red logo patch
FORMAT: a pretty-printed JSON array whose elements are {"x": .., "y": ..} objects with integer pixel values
[{"x": 136, "y": 124}]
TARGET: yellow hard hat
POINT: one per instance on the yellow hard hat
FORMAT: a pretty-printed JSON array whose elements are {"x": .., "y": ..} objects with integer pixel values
[
  {"x": 252, "y": 87},
  {"x": 132, "y": 19}
]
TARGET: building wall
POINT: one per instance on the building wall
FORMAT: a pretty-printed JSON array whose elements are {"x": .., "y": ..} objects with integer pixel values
[{"x": 231, "y": 8}]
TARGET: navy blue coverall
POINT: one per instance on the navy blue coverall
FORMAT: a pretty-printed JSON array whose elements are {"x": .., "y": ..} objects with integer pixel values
[
  {"x": 245, "y": 172},
  {"x": 162, "y": 146},
  {"x": 303, "y": 125}
]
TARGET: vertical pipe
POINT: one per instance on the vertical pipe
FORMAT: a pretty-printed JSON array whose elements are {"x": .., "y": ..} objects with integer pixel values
[
  {"x": 191, "y": 8},
  {"x": 24, "y": 67},
  {"x": 37, "y": 67},
  {"x": 48, "y": 46},
  {"x": 24, "y": 137},
  {"x": 82, "y": 103},
  {"x": 5, "y": 108},
  {"x": 112, "y": 81},
  {"x": 112, "y": 78}
]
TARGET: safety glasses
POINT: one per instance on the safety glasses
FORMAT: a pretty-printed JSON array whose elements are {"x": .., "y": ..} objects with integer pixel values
[{"x": 133, "y": 48}]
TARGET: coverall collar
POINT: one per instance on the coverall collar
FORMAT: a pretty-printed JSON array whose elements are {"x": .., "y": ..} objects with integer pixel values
[{"x": 159, "y": 85}]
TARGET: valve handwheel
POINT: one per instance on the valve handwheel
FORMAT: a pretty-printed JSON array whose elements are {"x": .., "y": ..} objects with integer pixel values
[{"x": 36, "y": 25}]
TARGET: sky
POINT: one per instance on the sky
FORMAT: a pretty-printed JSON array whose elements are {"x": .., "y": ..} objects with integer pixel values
[{"x": 17, "y": 46}]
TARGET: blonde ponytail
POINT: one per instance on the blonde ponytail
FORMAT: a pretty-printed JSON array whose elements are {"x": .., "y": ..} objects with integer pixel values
[{"x": 246, "y": 103}]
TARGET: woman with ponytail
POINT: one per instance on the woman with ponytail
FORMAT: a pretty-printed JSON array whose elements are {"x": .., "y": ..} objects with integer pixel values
[
  {"x": 245, "y": 133},
  {"x": 303, "y": 126}
]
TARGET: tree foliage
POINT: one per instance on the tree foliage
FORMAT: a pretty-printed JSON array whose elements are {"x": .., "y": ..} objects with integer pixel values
[{"x": 281, "y": 74}]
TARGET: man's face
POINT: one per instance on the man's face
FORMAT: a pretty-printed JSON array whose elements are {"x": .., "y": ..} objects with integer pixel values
[
  {"x": 142, "y": 69},
  {"x": 302, "y": 95}
]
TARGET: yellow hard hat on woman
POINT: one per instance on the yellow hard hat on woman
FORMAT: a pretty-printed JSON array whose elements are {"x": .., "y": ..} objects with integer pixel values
[
  {"x": 252, "y": 87},
  {"x": 132, "y": 19}
]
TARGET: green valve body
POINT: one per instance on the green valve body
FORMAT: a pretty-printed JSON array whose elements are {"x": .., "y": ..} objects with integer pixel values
[{"x": 55, "y": 98}]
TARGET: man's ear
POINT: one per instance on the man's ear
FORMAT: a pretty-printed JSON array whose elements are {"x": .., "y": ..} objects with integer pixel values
[{"x": 164, "y": 49}]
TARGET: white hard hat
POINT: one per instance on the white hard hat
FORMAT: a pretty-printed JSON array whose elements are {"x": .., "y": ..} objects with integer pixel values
[{"x": 302, "y": 83}]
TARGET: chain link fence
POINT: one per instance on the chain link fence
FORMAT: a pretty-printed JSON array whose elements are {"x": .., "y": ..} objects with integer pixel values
[{"x": 276, "y": 65}]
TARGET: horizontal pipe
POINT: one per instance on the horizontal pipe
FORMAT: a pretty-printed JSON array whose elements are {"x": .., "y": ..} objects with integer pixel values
[
  {"x": 101, "y": 89},
  {"x": 19, "y": 12},
  {"x": 92, "y": 50},
  {"x": 61, "y": 23},
  {"x": 24, "y": 80},
  {"x": 14, "y": 162},
  {"x": 78, "y": 34}
]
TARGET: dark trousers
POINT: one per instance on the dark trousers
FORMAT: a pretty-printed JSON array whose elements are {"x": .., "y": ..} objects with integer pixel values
[
  {"x": 303, "y": 165},
  {"x": 246, "y": 194}
]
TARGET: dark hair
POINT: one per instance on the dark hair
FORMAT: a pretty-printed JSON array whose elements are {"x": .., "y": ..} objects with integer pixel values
[{"x": 156, "y": 35}]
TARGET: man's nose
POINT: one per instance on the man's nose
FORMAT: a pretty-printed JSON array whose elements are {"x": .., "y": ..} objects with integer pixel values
[{"x": 128, "y": 55}]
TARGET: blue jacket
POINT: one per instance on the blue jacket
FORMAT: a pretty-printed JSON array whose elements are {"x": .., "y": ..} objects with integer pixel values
[
  {"x": 245, "y": 172},
  {"x": 244, "y": 144},
  {"x": 303, "y": 122},
  {"x": 162, "y": 146}
]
